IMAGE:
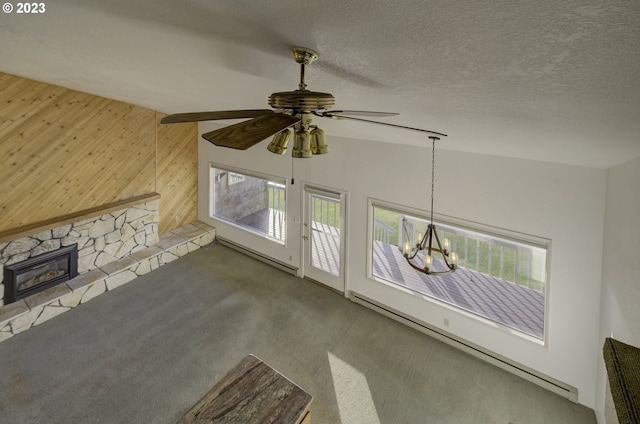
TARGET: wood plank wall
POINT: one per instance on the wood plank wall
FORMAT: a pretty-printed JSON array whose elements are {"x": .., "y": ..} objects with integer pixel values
[
  {"x": 64, "y": 151},
  {"x": 177, "y": 174}
]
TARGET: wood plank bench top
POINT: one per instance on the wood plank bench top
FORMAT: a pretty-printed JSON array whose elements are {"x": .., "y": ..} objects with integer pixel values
[{"x": 252, "y": 392}]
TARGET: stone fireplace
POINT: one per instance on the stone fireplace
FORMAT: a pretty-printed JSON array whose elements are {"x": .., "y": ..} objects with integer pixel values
[{"x": 100, "y": 240}]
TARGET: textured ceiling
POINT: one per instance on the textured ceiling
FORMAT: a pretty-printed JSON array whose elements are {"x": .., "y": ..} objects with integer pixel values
[{"x": 544, "y": 80}]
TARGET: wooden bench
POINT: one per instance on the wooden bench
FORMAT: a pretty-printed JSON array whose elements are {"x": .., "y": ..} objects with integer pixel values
[{"x": 252, "y": 392}]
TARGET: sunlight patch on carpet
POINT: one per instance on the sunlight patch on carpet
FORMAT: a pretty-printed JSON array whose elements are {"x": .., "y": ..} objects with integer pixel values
[{"x": 355, "y": 402}]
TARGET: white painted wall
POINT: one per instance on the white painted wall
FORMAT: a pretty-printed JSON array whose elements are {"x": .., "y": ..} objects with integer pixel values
[
  {"x": 563, "y": 203},
  {"x": 620, "y": 314}
]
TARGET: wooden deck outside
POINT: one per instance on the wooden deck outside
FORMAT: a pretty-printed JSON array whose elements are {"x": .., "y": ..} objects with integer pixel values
[
  {"x": 514, "y": 306},
  {"x": 325, "y": 251},
  {"x": 509, "y": 304},
  {"x": 268, "y": 222}
]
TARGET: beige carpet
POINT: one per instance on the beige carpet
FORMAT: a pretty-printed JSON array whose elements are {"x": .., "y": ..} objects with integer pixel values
[{"x": 147, "y": 351}]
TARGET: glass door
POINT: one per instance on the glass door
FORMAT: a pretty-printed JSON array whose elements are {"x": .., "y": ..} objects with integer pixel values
[{"x": 323, "y": 235}]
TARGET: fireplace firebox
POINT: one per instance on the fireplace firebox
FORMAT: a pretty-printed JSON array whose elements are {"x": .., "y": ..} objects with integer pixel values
[{"x": 40, "y": 272}]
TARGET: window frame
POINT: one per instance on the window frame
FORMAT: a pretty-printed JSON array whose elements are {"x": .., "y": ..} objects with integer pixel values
[
  {"x": 280, "y": 181},
  {"x": 490, "y": 231}
]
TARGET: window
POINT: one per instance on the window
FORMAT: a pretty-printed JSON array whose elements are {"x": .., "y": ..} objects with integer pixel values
[
  {"x": 252, "y": 202},
  {"x": 502, "y": 276}
]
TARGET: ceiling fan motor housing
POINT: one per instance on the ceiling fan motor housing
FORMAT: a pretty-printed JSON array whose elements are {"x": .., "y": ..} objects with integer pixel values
[{"x": 301, "y": 100}]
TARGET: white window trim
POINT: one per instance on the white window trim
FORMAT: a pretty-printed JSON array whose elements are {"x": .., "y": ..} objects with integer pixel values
[
  {"x": 230, "y": 169},
  {"x": 510, "y": 235}
]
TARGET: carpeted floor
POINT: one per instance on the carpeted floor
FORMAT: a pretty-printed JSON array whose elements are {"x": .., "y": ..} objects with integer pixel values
[{"x": 147, "y": 351}]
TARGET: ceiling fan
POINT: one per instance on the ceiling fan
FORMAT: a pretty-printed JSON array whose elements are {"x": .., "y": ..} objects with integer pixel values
[{"x": 290, "y": 109}]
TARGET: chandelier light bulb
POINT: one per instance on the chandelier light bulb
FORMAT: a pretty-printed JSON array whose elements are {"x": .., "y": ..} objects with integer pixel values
[{"x": 446, "y": 245}]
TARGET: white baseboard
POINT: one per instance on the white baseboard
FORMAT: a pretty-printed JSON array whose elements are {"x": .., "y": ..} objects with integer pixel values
[
  {"x": 493, "y": 358},
  {"x": 259, "y": 256}
]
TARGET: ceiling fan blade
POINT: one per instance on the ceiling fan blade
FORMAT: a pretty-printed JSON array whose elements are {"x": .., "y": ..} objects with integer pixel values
[
  {"x": 213, "y": 116},
  {"x": 245, "y": 134},
  {"x": 331, "y": 115},
  {"x": 361, "y": 113}
]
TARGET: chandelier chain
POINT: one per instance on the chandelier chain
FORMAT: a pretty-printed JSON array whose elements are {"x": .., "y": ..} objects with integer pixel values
[{"x": 433, "y": 172}]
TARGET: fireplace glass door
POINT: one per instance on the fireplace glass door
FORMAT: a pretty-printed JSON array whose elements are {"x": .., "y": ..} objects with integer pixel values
[{"x": 41, "y": 273}]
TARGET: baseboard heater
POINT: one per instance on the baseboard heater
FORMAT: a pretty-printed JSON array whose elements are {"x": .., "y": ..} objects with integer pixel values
[
  {"x": 257, "y": 255},
  {"x": 525, "y": 373}
]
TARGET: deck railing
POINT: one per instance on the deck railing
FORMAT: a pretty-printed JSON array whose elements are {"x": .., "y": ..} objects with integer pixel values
[
  {"x": 325, "y": 210},
  {"x": 382, "y": 232},
  {"x": 276, "y": 194},
  {"x": 499, "y": 258}
]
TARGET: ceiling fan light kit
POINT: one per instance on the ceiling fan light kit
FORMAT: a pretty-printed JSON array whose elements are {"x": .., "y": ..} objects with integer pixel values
[
  {"x": 290, "y": 109},
  {"x": 279, "y": 143},
  {"x": 318, "y": 142},
  {"x": 302, "y": 144}
]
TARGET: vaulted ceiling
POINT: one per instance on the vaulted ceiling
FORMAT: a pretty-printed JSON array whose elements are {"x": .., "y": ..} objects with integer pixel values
[{"x": 546, "y": 80}]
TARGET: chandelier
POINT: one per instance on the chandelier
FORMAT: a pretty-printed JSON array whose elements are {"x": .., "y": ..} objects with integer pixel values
[{"x": 429, "y": 243}]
